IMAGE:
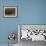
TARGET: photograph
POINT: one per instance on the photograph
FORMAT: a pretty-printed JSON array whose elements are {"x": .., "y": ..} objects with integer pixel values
[{"x": 10, "y": 11}]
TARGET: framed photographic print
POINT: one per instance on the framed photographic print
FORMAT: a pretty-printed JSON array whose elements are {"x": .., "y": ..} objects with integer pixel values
[
  {"x": 10, "y": 11},
  {"x": 33, "y": 32}
]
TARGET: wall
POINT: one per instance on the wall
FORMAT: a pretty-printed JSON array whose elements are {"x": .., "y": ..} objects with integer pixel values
[
  {"x": 7, "y": 25},
  {"x": 29, "y": 12}
]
